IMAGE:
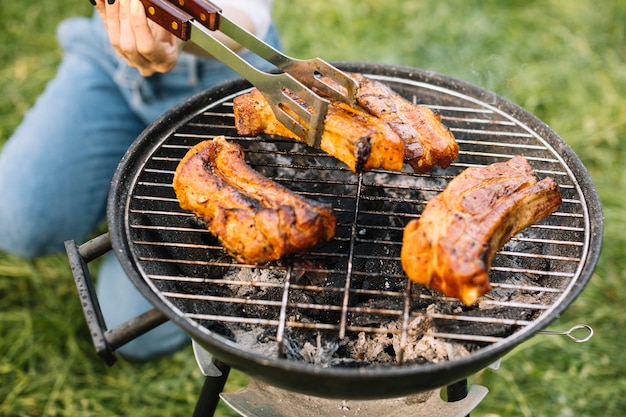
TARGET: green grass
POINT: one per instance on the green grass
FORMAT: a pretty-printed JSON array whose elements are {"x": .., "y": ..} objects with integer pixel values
[{"x": 564, "y": 61}]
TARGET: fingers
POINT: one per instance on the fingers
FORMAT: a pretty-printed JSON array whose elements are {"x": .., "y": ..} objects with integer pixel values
[
  {"x": 109, "y": 10},
  {"x": 135, "y": 38},
  {"x": 154, "y": 44},
  {"x": 142, "y": 43}
]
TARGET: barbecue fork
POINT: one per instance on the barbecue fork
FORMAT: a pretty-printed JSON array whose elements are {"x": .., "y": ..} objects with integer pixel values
[{"x": 291, "y": 94}]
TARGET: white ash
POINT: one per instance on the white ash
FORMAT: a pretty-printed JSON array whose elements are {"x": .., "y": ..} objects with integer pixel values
[
  {"x": 420, "y": 344},
  {"x": 320, "y": 354},
  {"x": 250, "y": 338},
  {"x": 253, "y": 281}
]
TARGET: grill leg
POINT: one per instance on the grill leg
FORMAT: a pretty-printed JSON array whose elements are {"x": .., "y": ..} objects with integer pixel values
[
  {"x": 210, "y": 393},
  {"x": 457, "y": 391}
]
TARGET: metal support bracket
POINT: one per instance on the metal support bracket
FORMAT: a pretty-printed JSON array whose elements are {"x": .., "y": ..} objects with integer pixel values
[
  {"x": 105, "y": 341},
  {"x": 263, "y": 400}
]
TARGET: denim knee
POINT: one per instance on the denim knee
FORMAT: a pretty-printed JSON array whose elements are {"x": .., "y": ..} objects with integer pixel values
[
  {"x": 26, "y": 233},
  {"x": 121, "y": 301}
]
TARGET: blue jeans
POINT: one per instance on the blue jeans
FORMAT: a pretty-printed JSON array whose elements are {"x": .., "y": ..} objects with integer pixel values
[{"x": 56, "y": 169}]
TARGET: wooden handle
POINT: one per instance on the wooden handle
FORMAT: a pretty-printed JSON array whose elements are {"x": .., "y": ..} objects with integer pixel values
[
  {"x": 170, "y": 17},
  {"x": 205, "y": 12}
]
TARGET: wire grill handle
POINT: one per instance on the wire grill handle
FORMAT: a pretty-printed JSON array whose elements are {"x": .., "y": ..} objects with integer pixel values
[{"x": 105, "y": 341}]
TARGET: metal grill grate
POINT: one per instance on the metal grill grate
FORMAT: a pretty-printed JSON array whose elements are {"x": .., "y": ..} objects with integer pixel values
[{"x": 354, "y": 286}]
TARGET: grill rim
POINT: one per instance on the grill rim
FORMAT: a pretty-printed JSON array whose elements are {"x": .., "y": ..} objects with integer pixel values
[{"x": 289, "y": 374}]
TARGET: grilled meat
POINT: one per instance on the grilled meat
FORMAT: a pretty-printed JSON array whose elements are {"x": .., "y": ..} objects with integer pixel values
[
  {"x": 356, "y": 138},
  {"x": 427, "y": 141},
  {"x": 255, "y": 219},
  {"x": 451, "y": 246}
]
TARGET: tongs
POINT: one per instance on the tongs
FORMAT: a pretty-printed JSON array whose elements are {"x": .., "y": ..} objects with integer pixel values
[{"x": 295, "y": 95}]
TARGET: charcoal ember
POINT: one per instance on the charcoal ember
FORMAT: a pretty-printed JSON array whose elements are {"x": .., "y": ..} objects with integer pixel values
[
  {"x": 200, "y": 307},
  {"x": 367, "y": 318},
  {"x": 388, "y": 277},
  {"x": 383, "y": 259},
  {"x": 285, "y": 161},
  {"x": 290, "y": 350},
  {"x": 221, "y": 329},
  {"x": 260, "y": 340},
  {"x": 304, "y": 308},
  {"x": 250, "y": 283},
  {"x": 533, "y": 254},
  {"x": 514, "y": 277},
  {"x": 309, "y": 271},
  {"x": 267, "y": 335}
]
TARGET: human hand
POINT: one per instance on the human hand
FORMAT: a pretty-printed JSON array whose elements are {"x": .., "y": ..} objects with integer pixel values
[{"x": 141, "y": 42}]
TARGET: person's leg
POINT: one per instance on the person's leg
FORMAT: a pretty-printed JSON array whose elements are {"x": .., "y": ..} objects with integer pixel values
[
  {"x": 55, "y": 170},
  {"x": 121, "y": 301},
  {"x": 55, "y": 174}
]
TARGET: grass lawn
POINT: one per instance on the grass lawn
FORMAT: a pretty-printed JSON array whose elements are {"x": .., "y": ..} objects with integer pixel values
[{"x": 564, "y": 61}]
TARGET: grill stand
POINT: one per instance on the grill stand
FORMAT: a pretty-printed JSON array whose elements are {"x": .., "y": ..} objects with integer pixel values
[
  {"x": 211, "y": 390},
  {"x": 261, "y": 400},
  {"x": 257, "y": 399}
]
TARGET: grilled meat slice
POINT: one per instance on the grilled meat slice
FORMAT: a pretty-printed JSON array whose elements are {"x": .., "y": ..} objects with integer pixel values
[
  {"x": 451, "y": 246},
  {"x": 427, "y": 141},
  {"x": 356, "y": 138},
  {"x": 255, "y": 219}
]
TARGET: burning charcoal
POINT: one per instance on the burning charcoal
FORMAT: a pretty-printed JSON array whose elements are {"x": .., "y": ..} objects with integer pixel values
[
  {"x": 510, "y": 273},
  {"x": 291, "y": 351},
  {"x": 267, "y": 335},
  {"x": 221, "y": 329},
  {"x": 365, "y": 318},
  {"x": 388, "y": 276}
]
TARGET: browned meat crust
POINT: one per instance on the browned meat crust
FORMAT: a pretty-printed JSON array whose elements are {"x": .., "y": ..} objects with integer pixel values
[
  {"x": 451, "y": 246},
  {"x": 356, "y": 138},
  {"x": 255, "y": 219},
  {"x": 427, "y": 141}
]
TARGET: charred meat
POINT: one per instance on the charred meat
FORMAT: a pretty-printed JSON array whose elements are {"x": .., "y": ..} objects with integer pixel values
[
  {"x": 427, "y": 141},
  {"x": 366, "y": 136},
  {"x": 451, "y": 246},
  {"x": 255, "y": 219},
  {"x": 354, "y": 137}
]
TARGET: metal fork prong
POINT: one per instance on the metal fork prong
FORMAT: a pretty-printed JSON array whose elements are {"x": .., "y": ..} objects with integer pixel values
[
  {"x": 295, "y": 125},
  {"x": 325, "y": 78},
  {"x": 305, "y": 118},
  {"x": 300, "y": 110}
]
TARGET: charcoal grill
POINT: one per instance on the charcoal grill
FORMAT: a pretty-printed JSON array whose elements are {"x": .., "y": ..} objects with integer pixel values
[{"x": 353, "y": 287}]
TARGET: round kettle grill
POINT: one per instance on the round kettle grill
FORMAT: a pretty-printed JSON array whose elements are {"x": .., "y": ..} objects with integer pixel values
[{"x": 311, "y": 316}]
